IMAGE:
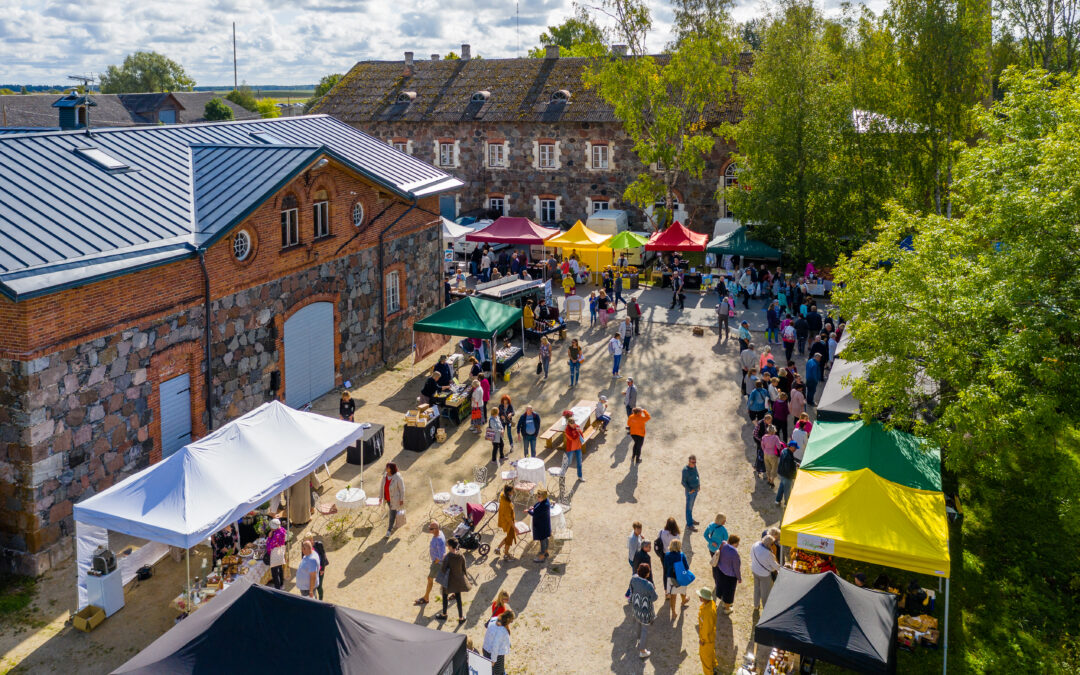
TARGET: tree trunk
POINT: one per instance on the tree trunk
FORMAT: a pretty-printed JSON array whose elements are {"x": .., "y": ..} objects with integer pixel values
[{"x": 1048, "y": 36}]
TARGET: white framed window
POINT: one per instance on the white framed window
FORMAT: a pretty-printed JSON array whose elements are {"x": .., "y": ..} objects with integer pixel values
[
  {"x": 393, "y": 292},
  {"x": 547, "y": 210},
  {"x": 731, "y": 180},
  {"x": 496, "y": 155},
  {"x": 241, "y": 245},
  {"x": 357, "y": 214},
  {"x": 497, "y": 204},
  {"x": 446, "y": 154},
  {"x": 320, "y": 217},
  {"x": 600, "y": 156},
  {"x": 600, "y": 206},
  {"x": 547, "y": 156},
  {"x": 401, "y": 146},
  {"x": 290, "y": 227}
]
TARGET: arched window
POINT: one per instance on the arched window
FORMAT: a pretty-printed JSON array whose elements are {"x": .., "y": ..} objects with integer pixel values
[
  {"x": 560, "y": 96},
  {"x": 731, "y": 180}
]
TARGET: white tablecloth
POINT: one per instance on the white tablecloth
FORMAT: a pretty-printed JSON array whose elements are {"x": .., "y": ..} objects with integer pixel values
[
  {"x": 352, "y": 498},
  {"x": 580, "y": 414},
  {"x": 463, "y": 493},
  {"x": 532, "y": 469},
  {"x": 558, "y": 518}
]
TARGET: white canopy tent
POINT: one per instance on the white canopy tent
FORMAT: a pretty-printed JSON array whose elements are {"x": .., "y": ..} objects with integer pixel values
[
  {"x": 451, "y": 231},
  {"x": 212, "y": 482}
]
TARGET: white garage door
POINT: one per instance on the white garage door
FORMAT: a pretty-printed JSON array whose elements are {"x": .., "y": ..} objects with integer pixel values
[
  {"x": 175, "y": 397},
  {"x": 309, "y": 354}
]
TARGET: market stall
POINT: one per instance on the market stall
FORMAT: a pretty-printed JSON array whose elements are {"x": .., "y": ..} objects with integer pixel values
[
  {"x": 451, "y": 232},
  {"x": 738, "y": 243},
  {"x": 211, "y": 483},
  {"x": 255, "y": 629},
  {"x": 821, "y": 616},
  {"x": 587, "y": 245},
  {"x": 678, "y": 238},
  {"x": 837, "y": 400},
  {"x": 513, "y": 231},
  {"x": 624, "y": 242}
]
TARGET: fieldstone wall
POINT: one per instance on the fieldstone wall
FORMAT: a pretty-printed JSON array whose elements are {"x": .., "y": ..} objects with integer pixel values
[{"x": 75, "y": 422}]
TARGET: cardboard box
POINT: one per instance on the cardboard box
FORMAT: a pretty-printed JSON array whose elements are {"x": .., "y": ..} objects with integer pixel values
[{"x": 88, "y": 618}]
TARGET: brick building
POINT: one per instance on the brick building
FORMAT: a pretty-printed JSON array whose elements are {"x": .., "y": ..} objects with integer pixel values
[
  {"x": 116, "y": 246},
  {"x": 524, "y": 134}
]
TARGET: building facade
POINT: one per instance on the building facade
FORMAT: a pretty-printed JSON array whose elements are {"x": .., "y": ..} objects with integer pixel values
[
  {"x": 311, "y": 254},
  {"x": 525, "y": 135}
]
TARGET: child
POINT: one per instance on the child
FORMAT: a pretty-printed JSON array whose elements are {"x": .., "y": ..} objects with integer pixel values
[
  {"x": 592, "y": 308},
  {"x": 501, "y": 604},
  {"x": 601, "y": 412}
]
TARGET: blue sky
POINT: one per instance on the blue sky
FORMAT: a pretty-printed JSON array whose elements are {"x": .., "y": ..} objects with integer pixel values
[{"x": 278, "y": 41}]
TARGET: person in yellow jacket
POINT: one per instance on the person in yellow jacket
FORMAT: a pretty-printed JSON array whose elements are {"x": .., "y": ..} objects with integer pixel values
[{"x": 706, "y": 619}]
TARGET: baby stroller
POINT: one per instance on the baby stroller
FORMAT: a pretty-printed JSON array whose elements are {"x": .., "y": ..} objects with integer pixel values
[{"x": 468, "y": 531}]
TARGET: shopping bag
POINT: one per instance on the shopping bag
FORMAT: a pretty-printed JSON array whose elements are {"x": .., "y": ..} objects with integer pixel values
[
  {"x": 489, "y": 435},
  {"x": 443, "y": 577},
  {"x": 399, "y": 520},
  {"x": 683, "y": 576},
  {"x": 539, "y": 367}
]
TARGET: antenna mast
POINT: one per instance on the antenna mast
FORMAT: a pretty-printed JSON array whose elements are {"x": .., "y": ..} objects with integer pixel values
[
  {"x": 87, "y": 81},
  {"x": 234, "y": 80},
  {"x": 517, "y": 23}
]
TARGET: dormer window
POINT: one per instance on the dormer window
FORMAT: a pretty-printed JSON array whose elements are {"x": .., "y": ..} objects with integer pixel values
[
  {"x": 406, "y": 97},
  {"x": 560, "y": 96},
  {"x": 481, "y": 96}
]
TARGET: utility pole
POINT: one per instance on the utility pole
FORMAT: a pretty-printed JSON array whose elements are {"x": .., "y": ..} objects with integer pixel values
[
  {"x": 517, "y": 22},
  {"x": 235, "y": 83}
]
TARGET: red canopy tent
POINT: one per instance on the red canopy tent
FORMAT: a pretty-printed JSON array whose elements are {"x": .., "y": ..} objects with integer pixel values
[
  {"x": 677, "y": 238},
  {"x": 515, "y": 231}
]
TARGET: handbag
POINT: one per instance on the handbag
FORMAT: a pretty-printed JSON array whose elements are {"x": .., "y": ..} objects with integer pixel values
[
  {"x": 489, "y": 435},
  {"x": 399, "y": 521},
  {"x": 443, "y": 577},
  {"x": 683, "y": 576},
  {"x": 277, "y": 556},
  {"x": 658, "y": 545},
  {"x": 610, "y": 310},
  {"x": 539, "y": 367}
]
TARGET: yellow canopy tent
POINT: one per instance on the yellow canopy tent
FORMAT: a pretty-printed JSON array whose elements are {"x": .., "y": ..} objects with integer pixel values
[
  {"x": 862, "y": 516},
  {"x": 588, "y": 244}
]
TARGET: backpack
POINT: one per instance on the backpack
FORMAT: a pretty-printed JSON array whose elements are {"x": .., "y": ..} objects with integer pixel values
[{"x": 786, "y": 467}]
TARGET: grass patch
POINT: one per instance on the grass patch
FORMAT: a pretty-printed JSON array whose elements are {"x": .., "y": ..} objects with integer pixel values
[{"x": 16, "y": 593}]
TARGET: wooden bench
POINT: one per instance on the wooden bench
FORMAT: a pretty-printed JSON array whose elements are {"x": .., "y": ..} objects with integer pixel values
[{"x": 553, "y": 437}]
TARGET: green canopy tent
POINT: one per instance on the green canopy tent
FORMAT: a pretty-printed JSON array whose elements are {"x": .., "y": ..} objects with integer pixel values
[
  {"x": 473, "y": 317},
  {"x": 738, "y": 243},
  {"x": 894, "y": 455}
]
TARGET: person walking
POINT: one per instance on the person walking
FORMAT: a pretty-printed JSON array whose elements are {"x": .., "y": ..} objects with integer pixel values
[
  {"x": 528, "y": 428},
  {"x": 619, "y": 280},
  {"x": 813, "y": 378},
  {"x": 592, "y": 308},
  {"x": 786, "y": 469},
  {"x": 757, "y": 401},
  {"x": 485, "y": 266},
  {"x": 494, "y": 434},
  {"x": 691, "y": 483},
  {"x": 576, "y": 356},
  {"x": 725, "y": 312},
  {"x": 745, "y": 337},
  {"x": 802, "y": 331},
  {"x": 574, "y": 444},
  {"x": 275, "y": 548},
  {"x": 630, "y": 399},
  {"x": 770, "y": 450},
  {"x": 642, "y": 603},
  {"x": 748, "y": 361},
  {"x": 772, "y": 324},
  {"x": 669, "y": 533},
  {"x": 763, "y": 564},
  {"x": 477, "y": 400},
  {"x": 728, "y": 573},
  {"x": 436, "y": 553},
  {"x": 545, "y": 355},
  {"x": 307, "y": 572},
  {"x": 615, "y": 348},
  {"x": 324, "y": 562},
  {"x": 780, "y": 413},
  {"x": 638, "y": 418},
  {"x": 706, "y": 625},
  {"x": 787, "y": 334},
  {"x": 393, "y": 493},
  {"x": 541, "y": 523},
  {"x": 506, "y": 416},
  {"x": 453, "y": 579},
  {"x": 643, "y": 555},
  {"x": 633, "y": 310},
  {"x": 626, "y": 331},
  {"x": 501, "y": 603},
  {"x": 602, "y": 304},
  {"x": 716, "y": 534},
  {"x": 507, "y": 521},
  {"x": 633, "y": 543},
  {"x": 347, "y": 407},
  {"x": 497, "y": 641},
  {"x": 673, "y": 558}
]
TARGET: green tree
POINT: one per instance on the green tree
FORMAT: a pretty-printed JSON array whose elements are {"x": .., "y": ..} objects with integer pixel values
[
  {"x": 327, "y": 83},
  {"x": 244, "y": 98},
  {"x": 267, "y": 108},
  {"x": 217, "y": 110},
  {"x": 971, "y": 340},
  {"x": 695, "y": 17},
  {"x": 662, "y": 102},
  {"x": 145, "y": 72},
  {"x": 6, "y": 92},
  {"x": 24, "y": 90},
  {"x": 578, "y": 35}
]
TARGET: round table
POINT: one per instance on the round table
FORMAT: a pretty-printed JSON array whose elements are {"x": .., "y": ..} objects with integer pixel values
[
  {"x": 350, "y": 498},
  {"x": 531, "y": 469},
  {"x": 558, "y": 518},
  {"x": 463, "y": 493}
]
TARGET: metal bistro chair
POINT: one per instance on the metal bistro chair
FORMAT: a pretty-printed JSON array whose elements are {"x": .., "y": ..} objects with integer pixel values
[{"x": 560, "y": 473}]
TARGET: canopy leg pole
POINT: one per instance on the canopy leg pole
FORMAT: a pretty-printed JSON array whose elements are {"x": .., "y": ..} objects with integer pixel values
[
  {"x": 187, "y": 559},
  {"x": 945, "y": 647},
  {"x": 523, "y": 335},
  {"x": 491, "y": 356}
]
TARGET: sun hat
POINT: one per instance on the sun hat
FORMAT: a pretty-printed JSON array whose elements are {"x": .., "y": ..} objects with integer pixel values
[{"x": 704, "y": 594}]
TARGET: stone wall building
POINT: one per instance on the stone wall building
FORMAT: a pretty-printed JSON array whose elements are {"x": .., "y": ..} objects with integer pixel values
[
  {"x": 271, "y": 228},
  {"x": 526, "y": 136}
]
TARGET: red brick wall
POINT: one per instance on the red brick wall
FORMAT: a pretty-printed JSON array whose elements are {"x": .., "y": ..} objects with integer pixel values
[{"x": 186, "y": 357}]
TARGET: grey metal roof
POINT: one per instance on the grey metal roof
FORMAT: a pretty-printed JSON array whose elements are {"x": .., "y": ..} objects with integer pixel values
[{"x": 66, "y": 221}]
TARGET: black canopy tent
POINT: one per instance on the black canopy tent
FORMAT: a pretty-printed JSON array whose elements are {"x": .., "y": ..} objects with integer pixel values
[
  {"x": 255, "y": 629},
  {"x": 825, "y": 617}
]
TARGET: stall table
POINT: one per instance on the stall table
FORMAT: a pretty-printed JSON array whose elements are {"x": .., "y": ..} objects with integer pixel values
[
  {"x": 583, "y": 412},
  {"x": 369, "y": 447},
  {"x": 465, "y": 493},
  {"x": 419, "y": 439},
  {"x": 534, "y": 334},
  {"x": 351, "y": 498},
  {"x": 504, "y": 359},
  {"x": 455, "y": 405},
  {"x": 531, "y": 469}
]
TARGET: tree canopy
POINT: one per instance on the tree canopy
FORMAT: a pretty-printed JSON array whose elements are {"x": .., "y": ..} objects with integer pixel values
[
  {"x": 327, "y": 83},
  {"x": 244, "y": 98},
  {"x": 578, "y": 35},
  {"x": 217, "y": 110},
  {"x": 145, "y": 72}
]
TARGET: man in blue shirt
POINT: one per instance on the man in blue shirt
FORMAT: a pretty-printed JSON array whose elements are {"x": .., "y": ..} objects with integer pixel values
[
  {"x": 757, "y": 401},
  {"x": 528, "y": 428},
  {"x": 307, "y": 573},
  {"x": 813, "y": 377},
  {"x": 436, "y": 551},
  {"x": 691, "y": 482}
]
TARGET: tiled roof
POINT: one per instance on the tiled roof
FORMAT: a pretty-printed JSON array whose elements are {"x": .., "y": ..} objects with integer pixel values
[
  {"x": 112, "y": 110},
  {"x": 65, "y": 219},
  {"x": 520, "y": 90}
]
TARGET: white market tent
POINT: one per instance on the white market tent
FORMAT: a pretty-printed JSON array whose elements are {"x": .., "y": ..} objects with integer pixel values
[
  {"x": 212, "y": 482},
  {"x": 451, "y": 231}
]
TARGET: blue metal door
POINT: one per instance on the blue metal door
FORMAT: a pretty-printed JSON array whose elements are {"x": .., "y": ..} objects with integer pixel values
[
  {"x": 309, "y": 354},
  {"x": 175, "y": 403},
  {"x": 447, "y": 207}
]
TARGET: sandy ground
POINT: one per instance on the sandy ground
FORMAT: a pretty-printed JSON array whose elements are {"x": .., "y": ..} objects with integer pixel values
[{"x": 572, "y": 616}]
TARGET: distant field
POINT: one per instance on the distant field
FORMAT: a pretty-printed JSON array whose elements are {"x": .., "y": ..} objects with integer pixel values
[{"x": 297, "y": 95}]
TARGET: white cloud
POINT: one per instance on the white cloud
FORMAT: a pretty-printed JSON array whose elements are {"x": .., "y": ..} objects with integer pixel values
[{"x": 278, "y": 41}]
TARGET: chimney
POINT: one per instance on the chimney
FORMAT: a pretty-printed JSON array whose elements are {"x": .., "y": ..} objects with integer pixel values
[
  {"x": 408, "y": 64},
  {"x": 551, "y": 51},
  {"x": 434, "y": 57},
  {"x": 618, "y": 50},
  {"x": 466, "y": 52}
]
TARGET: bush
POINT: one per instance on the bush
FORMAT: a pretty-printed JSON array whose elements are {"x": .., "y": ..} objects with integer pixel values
[{"x": 217, "y": 110}]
